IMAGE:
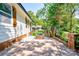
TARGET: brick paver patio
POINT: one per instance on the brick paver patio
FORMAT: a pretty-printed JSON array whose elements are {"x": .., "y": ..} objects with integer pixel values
[{"x": 36, "y": 47}]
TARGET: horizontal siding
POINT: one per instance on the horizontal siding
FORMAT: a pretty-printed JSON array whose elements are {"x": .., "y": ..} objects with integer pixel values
[{"x": 6, "y": 32}]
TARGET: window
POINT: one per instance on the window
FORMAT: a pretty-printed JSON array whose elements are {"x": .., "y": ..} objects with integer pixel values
[
  {"x": 5, "y": 13},
  {"x": 5, "y": 7}
]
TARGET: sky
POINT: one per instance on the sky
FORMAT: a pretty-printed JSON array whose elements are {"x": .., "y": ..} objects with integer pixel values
[{"x": 32, "y": 6}]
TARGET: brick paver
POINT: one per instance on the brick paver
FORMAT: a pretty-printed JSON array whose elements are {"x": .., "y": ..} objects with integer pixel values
[{"x": 36, "y": 47}]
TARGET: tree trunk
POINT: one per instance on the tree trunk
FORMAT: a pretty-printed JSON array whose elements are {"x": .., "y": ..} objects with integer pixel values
[{"x": 53, "y": 32}]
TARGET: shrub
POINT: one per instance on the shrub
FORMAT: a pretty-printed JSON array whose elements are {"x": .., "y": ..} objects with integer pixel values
[
  {"x": 33, "y": 34},
  {"x": 38, "y": 32},
  {"x": 76, "y": 29},
  {"x": 64, "y": 35},
  {"x": 77, "y": 42}
]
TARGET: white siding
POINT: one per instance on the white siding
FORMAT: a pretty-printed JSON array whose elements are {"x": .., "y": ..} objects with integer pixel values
[
  {"x": 7, "y": 31},
  {"x": 21, "y": 26},
  {"x": 21, "y": 29}
]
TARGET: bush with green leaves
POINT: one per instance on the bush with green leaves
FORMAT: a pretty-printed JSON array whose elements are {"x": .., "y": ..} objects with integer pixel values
[
  {"x": 38, "y": 32},
  {"x": 77, "y": 42},
  {"x": 64, "y": 35},
  {"x": 76, "y": 29}
]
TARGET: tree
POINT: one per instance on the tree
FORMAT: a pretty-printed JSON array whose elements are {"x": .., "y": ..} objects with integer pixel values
[
  {"x": 58, "y": 15},
  {"x": 36, "y": 19}
]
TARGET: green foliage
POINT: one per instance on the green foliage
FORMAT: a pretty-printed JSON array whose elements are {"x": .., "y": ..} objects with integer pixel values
[
  {"x": 34, "y": 34},
  {"x": 36, "y": 20},
  {"x": 64, "y": 35},
  {"x": 33, "y": 17},
  {"x": 77, "y": 42},
  {"x": 38, "y": 32},
  {"x": 76, "y": 29},
  {"x": 59, "y": 16}
]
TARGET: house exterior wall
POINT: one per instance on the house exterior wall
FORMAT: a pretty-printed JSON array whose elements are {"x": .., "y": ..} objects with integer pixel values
[
  {"x": 7, "y": 31},
  {"x": 21, "y": 26}
]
